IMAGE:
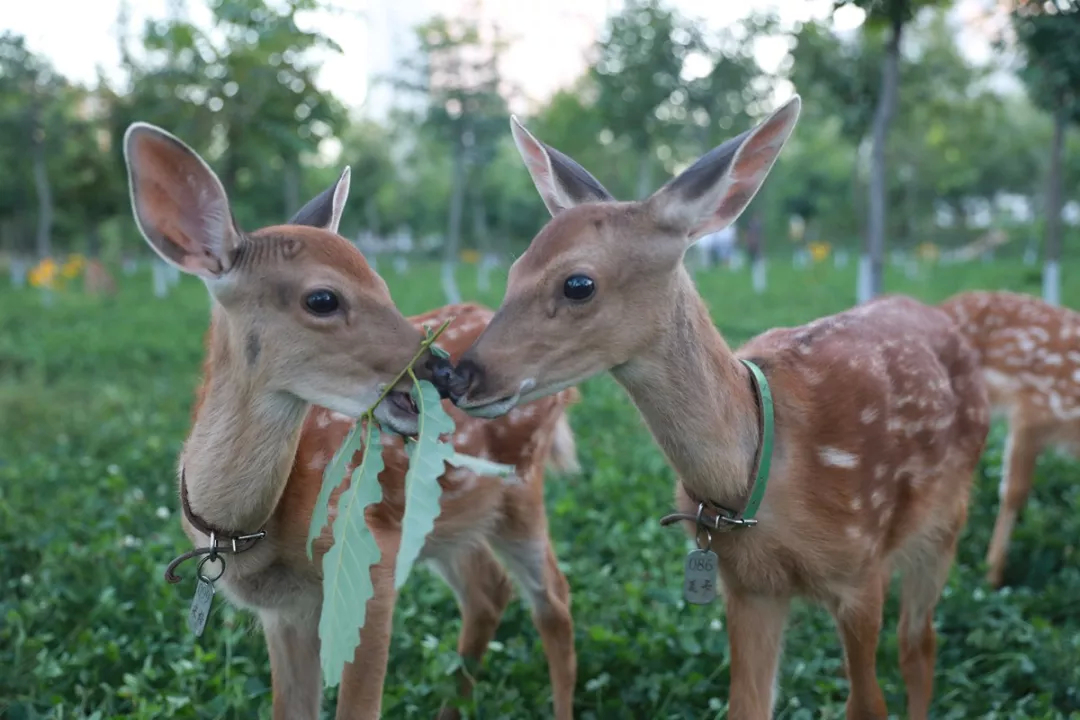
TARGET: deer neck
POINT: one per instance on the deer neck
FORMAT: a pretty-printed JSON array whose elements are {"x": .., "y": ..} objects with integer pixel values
[
  {"x": 697, "y": 400},
  {"x": 240, "y": 452}
]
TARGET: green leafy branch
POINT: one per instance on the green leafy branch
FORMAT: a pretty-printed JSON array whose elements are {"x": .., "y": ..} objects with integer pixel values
[{"x": 346, "y": 566}]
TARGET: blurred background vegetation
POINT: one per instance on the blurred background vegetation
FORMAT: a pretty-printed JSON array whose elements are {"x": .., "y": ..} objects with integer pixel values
[
  {"x": 908, "y": 141},
  {"x": 922, "y": 165}
]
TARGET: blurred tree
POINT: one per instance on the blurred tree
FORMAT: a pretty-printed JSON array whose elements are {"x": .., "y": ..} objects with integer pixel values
[
  {"x": 642, "y": 91},
  {"x": 32, "y": 116},
  {"x": 891, "y": 16},
  {"x": 244, "y": 93},
  {"x": 1049, "y": 33},
  {"x": 457, "y": 73}
]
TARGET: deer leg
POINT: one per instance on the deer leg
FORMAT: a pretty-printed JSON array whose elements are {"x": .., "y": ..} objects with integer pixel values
[
  {"x": 1018, "y": 468},
  {"x": 859, "y": 621},
  {"x": 360, "y": 694},
  {"x": 533, "y": 564},
  {"x": 756, "y": 632},
  {"x": 482, "y": 589},
  {"x": 296, "y": 677},
  {"x": 924, "y": 568}
]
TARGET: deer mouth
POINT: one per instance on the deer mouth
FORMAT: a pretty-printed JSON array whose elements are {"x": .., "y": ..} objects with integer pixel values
[{"x": 399, "y": 412}]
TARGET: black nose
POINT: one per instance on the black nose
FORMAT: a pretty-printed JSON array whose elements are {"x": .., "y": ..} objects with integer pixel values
[
  {"x": 442, "y": 375},
  {"x": 465, "y": 376}
]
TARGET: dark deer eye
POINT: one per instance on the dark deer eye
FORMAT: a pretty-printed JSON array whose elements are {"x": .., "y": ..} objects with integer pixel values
[
  {"x": 579, "y": 287},
  {"x": 321, "y": 302}
]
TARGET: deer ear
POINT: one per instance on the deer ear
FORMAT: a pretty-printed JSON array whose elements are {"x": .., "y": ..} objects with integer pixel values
[
  {"x": 712, "y": 193},
  {"x": 325, "y": 209},
  {"x": 561, "y": 181},
  {"x": 180, "y": 205}
]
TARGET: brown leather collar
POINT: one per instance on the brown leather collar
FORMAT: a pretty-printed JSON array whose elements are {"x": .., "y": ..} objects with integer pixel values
[{"x": 221, "y": 541}]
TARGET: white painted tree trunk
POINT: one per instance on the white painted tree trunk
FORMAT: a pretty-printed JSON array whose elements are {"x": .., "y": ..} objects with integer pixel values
[
  {"x": 161, "y": 282},
  {"x": 864, "y": 289},
  {"x": 758, "y": 276},
  {"x": 483, "y": 277},
  {"x": 18, "y": 270},
  {"x": 449, "y": 283},
  {"x": 1052, "y": 282},
  {"x": 401, "y": 264}
]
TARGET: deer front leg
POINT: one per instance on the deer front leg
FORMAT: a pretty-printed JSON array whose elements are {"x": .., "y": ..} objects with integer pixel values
[
  {"x": 756, "y": 632},
  {"x": 360, "y": 696},
  {"x": 296, "y": 677},
  {"x": 1018, "y": 468}
]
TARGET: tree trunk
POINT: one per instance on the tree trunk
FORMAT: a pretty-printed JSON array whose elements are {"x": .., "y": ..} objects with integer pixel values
[
  {"x": 453, "y": 230},
  {"x": 874, "y": 264},
  {"x": 483, "y": 242},
  {"x": 93, "y": 241},
  {"x": 644, "y": 180},
  {"x": 291, "y": 187},
  {"x": 45, "y": 200},
  {"x": 1052, "y": 270}
]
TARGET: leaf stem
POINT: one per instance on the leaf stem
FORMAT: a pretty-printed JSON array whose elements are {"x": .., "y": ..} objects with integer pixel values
[{"x": 408, "y": 369}]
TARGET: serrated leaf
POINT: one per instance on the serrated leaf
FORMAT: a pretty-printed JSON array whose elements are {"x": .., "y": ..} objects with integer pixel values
[
  {"x": 427, "y": 461},
  {"x": 480, "y": 466},
  {"x": 332, "y": 478},
  {"x": 347, "y": 564}
]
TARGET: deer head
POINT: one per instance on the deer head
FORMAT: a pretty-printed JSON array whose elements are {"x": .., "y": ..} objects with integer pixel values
[
  {"x": 595, "y": 285},
  {"x": 299, "y": 311}
]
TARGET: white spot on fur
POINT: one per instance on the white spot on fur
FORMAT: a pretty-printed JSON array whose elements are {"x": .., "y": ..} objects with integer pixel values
[
  {"x": 835, "y": 457},
  {"x": 854, "y": 532},
  {"x": 880, "y": 471},
  {"x": 868, "y": 415},
  {"x": 341, "y": 418},
  {"x": 322, "y": 421},
  {"x": 856, "y": 503},
  {"x": 877, "y": 498},
  {"x": 318, "y": 461}
]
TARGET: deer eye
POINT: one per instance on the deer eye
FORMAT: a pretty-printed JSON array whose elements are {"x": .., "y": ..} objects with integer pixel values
[
  {"x": 321, "y": 302},
  {"x": 579, "y": 287}
]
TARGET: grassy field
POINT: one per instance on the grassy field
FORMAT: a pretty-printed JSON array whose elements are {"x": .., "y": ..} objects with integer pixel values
[{"x": 94, "y": 404}]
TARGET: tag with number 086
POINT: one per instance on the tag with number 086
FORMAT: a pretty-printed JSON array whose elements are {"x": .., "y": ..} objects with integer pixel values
[{"x": 699, "y": 582}]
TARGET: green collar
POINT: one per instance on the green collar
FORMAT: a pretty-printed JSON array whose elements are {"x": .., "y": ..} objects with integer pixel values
[
  {"x": 711, "y": 516},
  {"x": 764, "y": 458}
]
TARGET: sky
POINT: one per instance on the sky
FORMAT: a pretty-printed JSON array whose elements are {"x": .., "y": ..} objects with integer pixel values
[{"x": 551, "y": 36}]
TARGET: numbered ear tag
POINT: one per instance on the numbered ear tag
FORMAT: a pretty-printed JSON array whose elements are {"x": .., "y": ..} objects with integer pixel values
[
  {"x": 200, "y": 607},
  {"x": 699, "y": 583}
]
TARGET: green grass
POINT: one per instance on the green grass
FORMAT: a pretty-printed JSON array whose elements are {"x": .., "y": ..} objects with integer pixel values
[{"x": 95, "y": 398}]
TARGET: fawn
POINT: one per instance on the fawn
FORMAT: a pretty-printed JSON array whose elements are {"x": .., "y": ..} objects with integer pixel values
[
  {"x": 1029, "y": 351},
  {"x": 303, "y": 337},
  {"x": 880, "y": 412}
]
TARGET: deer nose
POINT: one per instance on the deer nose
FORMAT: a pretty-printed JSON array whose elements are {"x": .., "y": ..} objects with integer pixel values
[
  {"x": 460, "y": 379},
  {"x": 443, "y": 376}
]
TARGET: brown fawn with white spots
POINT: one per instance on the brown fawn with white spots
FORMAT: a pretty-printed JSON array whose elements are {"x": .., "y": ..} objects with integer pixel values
[
  {"x": 880, "y": 413},
  {"x": 303, "y": 337},
  {"x": 1029, "y": 351}
]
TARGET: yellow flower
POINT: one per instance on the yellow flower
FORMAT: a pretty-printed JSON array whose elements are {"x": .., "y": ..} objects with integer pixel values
[
  {"x": 819, "y": 250},
  {"x": 44, "y": 274},
  {"x": 73, "y": 266},
  {"x": 470, "y": 256},
  {"x": 929, "y": 251}
]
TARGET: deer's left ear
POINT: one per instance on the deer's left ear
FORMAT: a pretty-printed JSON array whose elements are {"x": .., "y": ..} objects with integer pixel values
[
  {"x": 325, "y": 209},
  {"x": 712, "y": 193}
]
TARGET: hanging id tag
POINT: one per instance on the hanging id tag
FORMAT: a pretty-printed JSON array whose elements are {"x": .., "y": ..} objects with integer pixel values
[
  {"x": 200, "y": 607},
  {"x": 699, "y": 582}
]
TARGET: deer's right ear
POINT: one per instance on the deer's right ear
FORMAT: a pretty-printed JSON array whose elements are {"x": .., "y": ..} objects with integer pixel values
[
  {"x": 561, "y": 181},
  {"x": 180, "y": 205}
]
